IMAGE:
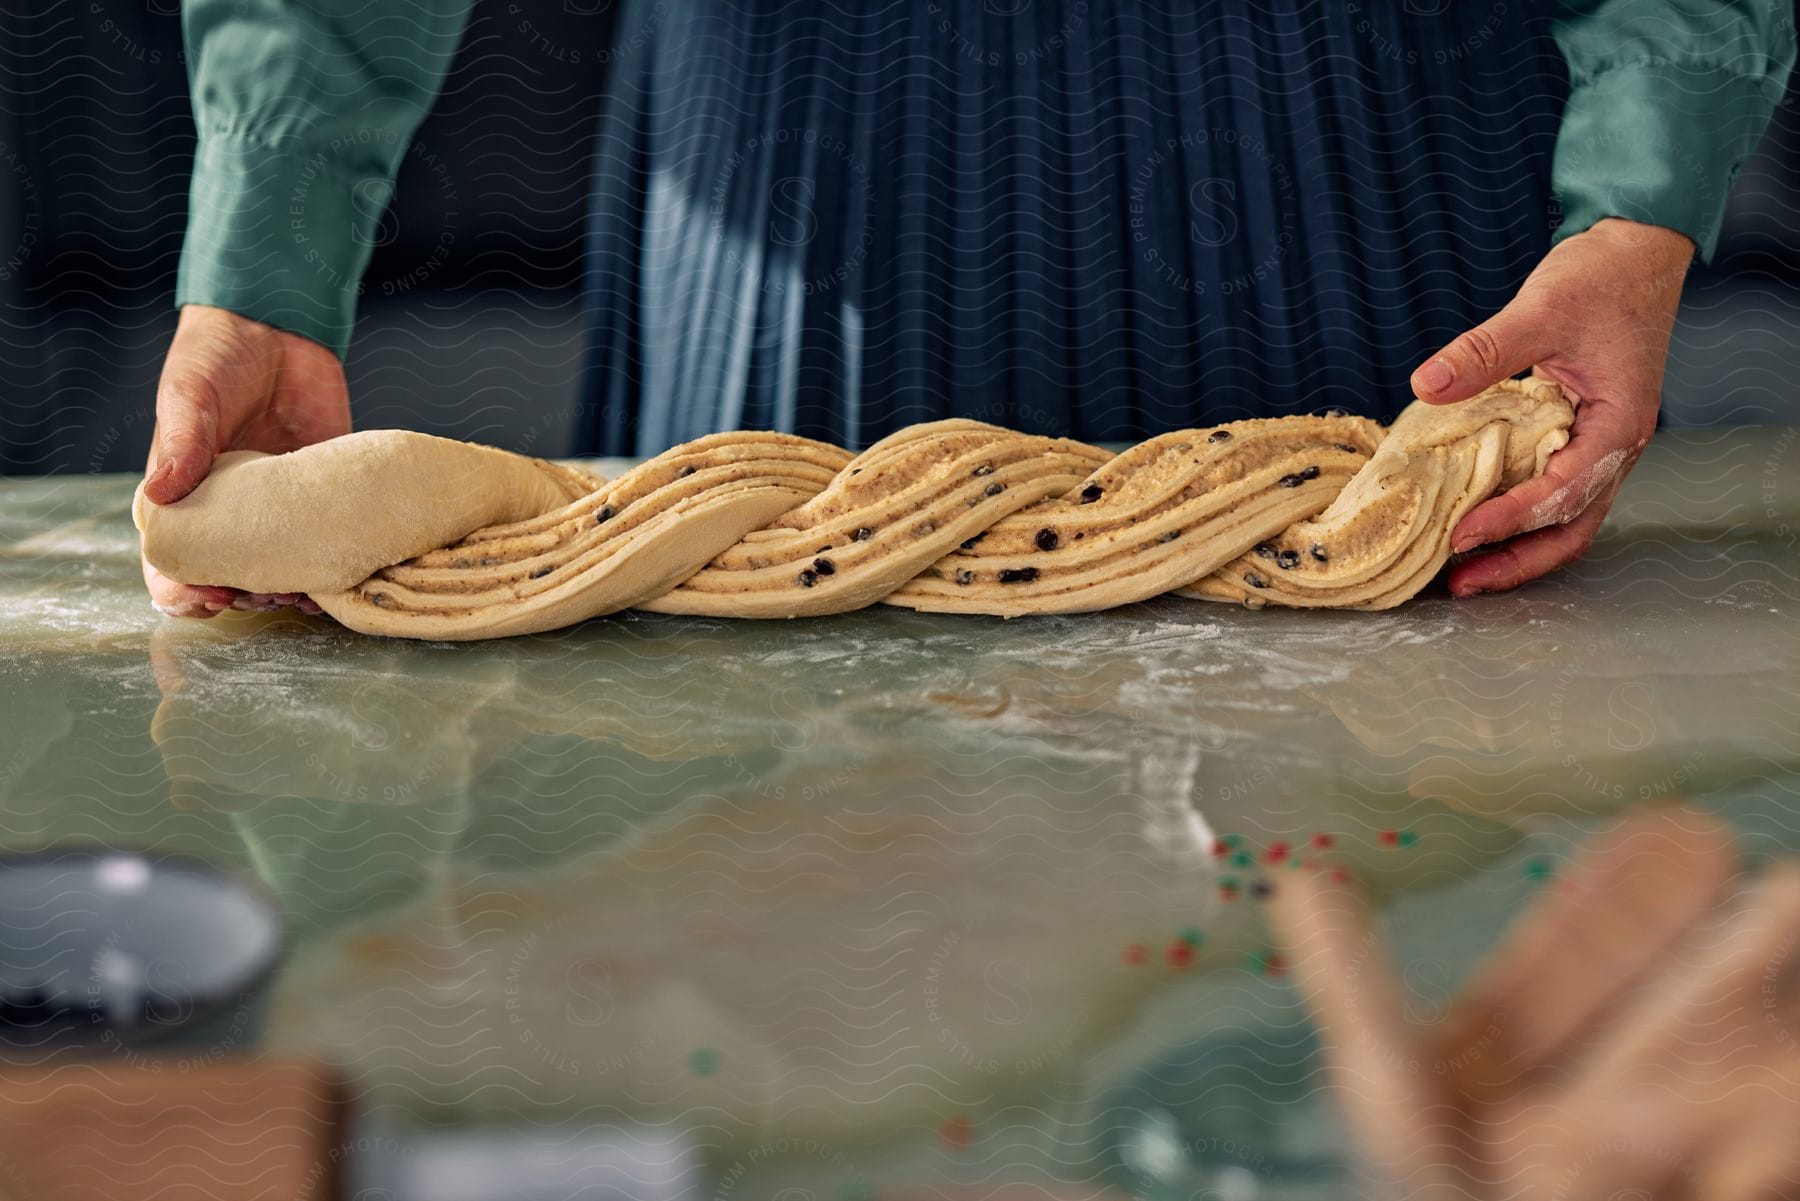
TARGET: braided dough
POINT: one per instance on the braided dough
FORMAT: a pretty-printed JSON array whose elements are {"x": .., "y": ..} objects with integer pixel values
[{"x": 408, "y": 535}]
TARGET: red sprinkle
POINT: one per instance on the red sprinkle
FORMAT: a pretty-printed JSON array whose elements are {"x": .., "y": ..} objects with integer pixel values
[
  {"x": 1180, "y": 954},
  {"x": 1322, "y": 842},
  {"x": 1390, "y": 838},
  {"x": 957, "y": 1132},
  {"x": 1135, "y": 954},
  {"x": 1277, "y": 852}
]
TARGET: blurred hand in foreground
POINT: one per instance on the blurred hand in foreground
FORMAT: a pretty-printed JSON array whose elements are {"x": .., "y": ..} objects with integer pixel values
[{"x": 1636, "y": 1034}]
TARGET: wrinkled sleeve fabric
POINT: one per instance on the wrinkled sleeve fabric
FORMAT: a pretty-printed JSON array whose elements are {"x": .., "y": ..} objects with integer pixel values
[
  {"x": 304, "y": 110},
  {"x": 1667, "y": 99}
]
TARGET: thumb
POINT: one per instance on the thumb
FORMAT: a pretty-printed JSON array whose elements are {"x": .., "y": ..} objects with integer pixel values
[
  {"x": 214, "y": 362},
  {"x": 1512, "y": 340},
  {"x": 187, "y": 437}
]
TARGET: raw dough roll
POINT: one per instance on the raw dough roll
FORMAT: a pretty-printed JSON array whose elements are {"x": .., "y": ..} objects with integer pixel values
[
  {"x": 324, "y": 517},
  {"x": 412, "y": 536}
]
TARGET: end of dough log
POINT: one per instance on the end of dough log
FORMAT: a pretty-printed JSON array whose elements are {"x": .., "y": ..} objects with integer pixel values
[
  {"x": 324, "y": 517},
  {"x": 1387, "y": 534}
]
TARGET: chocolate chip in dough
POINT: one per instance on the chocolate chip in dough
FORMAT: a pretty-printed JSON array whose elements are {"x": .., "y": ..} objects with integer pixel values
[
  {"x": 1018, "y": 575},
  {"x": 824, "y": 566},
  {"x": 1219, "y": 436},
  {"x": 808, "y": 578},
  {"x": 1046, "y": 539},
  {"x": 862, "y": 534},
  {"x": 1092, "y": 493}
]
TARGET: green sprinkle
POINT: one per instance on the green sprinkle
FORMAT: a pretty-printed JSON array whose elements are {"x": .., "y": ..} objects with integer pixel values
[
  {"x": 1265, "y": 963},
  {"x": 1538, "y": 869},
  {"x": 1234, "y": 841},
  {"x": 1242, "y": 859},
  {"x": 1407, "y": 838},
  {"x": 1191, "y": 936},
  {"x": 704, "y": 1061}
]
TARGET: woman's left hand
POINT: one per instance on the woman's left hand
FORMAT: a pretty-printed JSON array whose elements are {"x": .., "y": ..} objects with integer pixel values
[{"x": 1595, "y": 317}]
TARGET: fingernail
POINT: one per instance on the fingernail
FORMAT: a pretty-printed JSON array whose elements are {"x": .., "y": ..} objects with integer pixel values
[
  {"x": 1434, "y": 376},
  {"x": 161, "y": 473},
  {"x": 1466, "y": 543}
]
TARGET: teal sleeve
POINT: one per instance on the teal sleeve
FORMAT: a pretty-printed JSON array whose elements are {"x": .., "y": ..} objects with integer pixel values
[
  {"x": 1667, "y": 99},
  {"x": 304, "y": 109}
]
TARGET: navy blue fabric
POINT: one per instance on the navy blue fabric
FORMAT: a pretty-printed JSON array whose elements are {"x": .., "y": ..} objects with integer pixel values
[{"x": 1101, "y": 219}]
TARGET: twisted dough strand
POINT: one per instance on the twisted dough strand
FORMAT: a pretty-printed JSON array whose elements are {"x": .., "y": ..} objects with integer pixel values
[
  {"x": 1388, "y": 533},
  {"x": 953, "y": 516}
]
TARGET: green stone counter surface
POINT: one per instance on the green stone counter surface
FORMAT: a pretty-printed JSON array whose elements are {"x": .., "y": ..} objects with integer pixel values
[{"x": 892, "y": 900}]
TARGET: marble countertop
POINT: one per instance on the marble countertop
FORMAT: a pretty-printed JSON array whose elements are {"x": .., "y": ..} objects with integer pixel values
[{"x": 892, "y": 899}]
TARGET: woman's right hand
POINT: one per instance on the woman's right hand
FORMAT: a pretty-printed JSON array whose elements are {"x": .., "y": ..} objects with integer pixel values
[{"x": 231, "y": 383}]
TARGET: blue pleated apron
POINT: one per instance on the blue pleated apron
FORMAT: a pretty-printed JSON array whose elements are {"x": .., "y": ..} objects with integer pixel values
[{"x": 1098, "y": 218}]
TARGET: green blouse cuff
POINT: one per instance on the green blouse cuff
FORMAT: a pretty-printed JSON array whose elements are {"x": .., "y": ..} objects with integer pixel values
[
  {"x": 281, "y": 232},
  {"x": 1658, "y": 142}
]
